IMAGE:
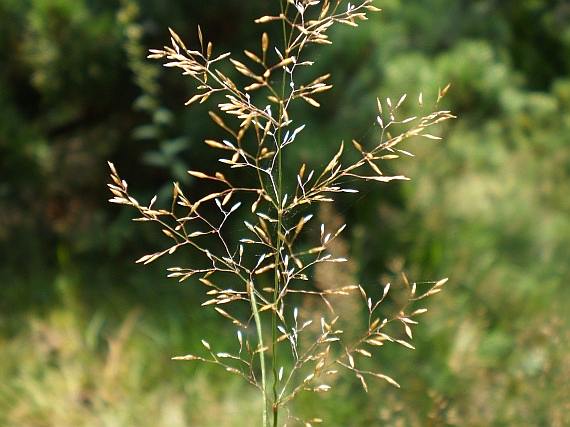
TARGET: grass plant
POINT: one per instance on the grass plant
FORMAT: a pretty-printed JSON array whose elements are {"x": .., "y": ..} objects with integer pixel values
[{"x": 258, "y": 280}]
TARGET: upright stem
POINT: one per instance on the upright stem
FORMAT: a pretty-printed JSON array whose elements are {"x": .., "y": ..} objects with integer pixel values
[
  {"x": 276, "y": 289},
  {"x": 257, "y": 319},
  {"x": 278, "y": 239},
  {"x": 277, "y": 281}
]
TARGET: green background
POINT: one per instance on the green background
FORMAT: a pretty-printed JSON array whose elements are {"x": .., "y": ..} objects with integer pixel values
[{"x": 86, "y": 336}]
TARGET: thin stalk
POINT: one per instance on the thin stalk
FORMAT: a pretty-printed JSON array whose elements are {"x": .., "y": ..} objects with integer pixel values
[
  {"x": 257, "y": 319},
  {"x": 278, "y": 239},
  {"x": 276, "y": 290}
]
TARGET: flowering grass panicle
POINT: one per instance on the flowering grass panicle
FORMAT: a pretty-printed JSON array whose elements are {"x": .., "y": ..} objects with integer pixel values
[{"x": 257, "y": 282}]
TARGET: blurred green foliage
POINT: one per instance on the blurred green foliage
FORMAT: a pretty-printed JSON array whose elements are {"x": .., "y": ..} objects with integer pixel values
[{"x": 489, "y": 208}]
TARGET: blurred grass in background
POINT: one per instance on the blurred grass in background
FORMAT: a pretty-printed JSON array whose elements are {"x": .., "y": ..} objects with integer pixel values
[{"x": 86, "y": 337}]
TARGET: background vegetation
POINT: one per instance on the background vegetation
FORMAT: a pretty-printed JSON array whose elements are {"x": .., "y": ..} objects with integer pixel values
[{"x": 86, "y": 336}]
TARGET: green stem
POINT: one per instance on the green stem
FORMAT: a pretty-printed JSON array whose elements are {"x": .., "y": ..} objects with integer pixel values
[
  {"x": 257, "y": 319},
  {"x": 277, "y": 281},
  {"x": 278, "y": 239},
  {"x": 276, "y": 289}
]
